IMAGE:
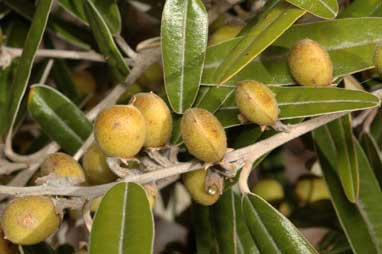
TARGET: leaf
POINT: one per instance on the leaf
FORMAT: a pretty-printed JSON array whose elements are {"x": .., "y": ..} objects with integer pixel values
[
  {"x": 67, "y": 31},
  {"x": 108, "y": 9},
  {"x": 223, "y": 216},
  {"x": 123, "y": 223},
  {"x": 272, "y": 232},
  {"x": 327, "y": 9},
  {"x": 373, "y": 153},
  {"x": 347, "y": 162},
  {"x": 105, "y": 41},
  {"x": 256, "y": 40},
  {"x": 360, "y": 221},
  {"x": 361, "y": 8},
  {"x": 203, "y": 230},
  {"x": 184, "y": 32},
  {"x": 5, "y": 85},
  {"x": 63, "y": 79},
  {"x": 59, "y": 118},
  {"x": 25, "y": 63},
  {"x": 298, "y": 102},
  {"x": 352, "y": 53},
  {"x": 245, "y": 242}
]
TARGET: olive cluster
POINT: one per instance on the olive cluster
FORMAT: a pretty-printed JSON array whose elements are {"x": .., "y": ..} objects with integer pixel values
[{"x": 146, "y": 122}]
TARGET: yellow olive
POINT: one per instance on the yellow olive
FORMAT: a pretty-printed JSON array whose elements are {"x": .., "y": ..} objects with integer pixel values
[
  {"x": 269, "y": 189},
  {"x": 62, "y": 165},
  {"x": 30, "y": 220},
  {"x": 120, "y": 131},
  {"x": 285, "y": 208},
  {"x": 225, "y": 33},
  {"x": 195, "y": 182},
  {"x": 256, "y": 102},
  {"x": 378, "y": 59},
  {"x": 158, "y": 118},
  {"x": 6, "y": 247},
  {"x": 96, "y": 169},
  {"x": 309, "y": 190},
  {"x": 152, "y": 78},
  {"x": 203, "y": 135},
  {"x": 85, "y": 82},
  {"x": 310, "y": 64}
]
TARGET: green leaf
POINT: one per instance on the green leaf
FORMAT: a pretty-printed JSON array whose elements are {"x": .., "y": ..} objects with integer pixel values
[
  {"x": 108, "y": 9},
  {"x": 59, "y": 118},
  {"x": 67, "y": 31},
  {"x": 63, "y": 79},
  {"x": 360, "y": 221},
  {"x": 353, "y": 53},
  {"x": 245, "y": 243},
  {"x": 203, "y": 230},
  {"x": 224, "y": 221},
  {"x": 373, "y": 153},
  {"x": 105, "y": 41},
  {"x": 272, "y": 232},
  {"x": 347, "y": 162},
  {"x": 5, "y": 85},
  {"x": 361, "y": 8},
  {"x": 299, "y": 102},
  {"x": 184, "y": 32},
  {"x": 257, "y": 39},
  {"x": 327, "y": 9},
  {"x": 123, "y": 223},
  {"x": 25, "y": 63}
]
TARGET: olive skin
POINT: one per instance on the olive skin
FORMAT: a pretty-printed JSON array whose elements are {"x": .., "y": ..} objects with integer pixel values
[
  {"x": 6, "y": 247},
  {"x": 95, "y": 166},
  {"x": 30, "y": 220},
  {"x": 309, "y": 190},
  {"x": 203, "y": 135},
  {"x": 225, "y": 33},
  {"x": 310, "y": 64},
  {"x": 194, "y": 182},
  {"x": 120, "y": 131},
  {"x": 157, "y": 116},
  {"x": 256, "y": 102},
  {"x": 269, "y": 189},
  {"x": 378, "y": 59},
  {"x": 84, "y": 82},
  {"x": 63, "y": 165}
]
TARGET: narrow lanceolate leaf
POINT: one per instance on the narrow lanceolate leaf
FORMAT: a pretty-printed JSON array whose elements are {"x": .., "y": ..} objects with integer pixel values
[
  {"x": 105, "y": 41},
  {"x": 257, "y": 39},
  {"x": 272, "y": 232},
  {"x": 373, "y": 153},
  {"x": 5, "y": 85},
  {"x": 361, "y": 8},
  {"x": 245, "y": 243},
  {"x": 298, "y": 102},
  {"x": 108, "y": 9},
  {"x": 204, "y": 234},
  {"x": 224, "y": 221},
  {"x": 184, "y": 33},
  {"x": 353, "y": 53},
  {"x": 25, "y": 63},
  {"x": 123, "y": 223},
  {"x": 347, "y": 162},
  {"x": 360, "y": 221},
  {"x": 58, "y": 117},
  {"x": 327, "y": 9}
]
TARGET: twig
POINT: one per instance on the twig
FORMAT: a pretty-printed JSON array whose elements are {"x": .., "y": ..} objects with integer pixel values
[
  {"x": 66, "y": 54},
  {"x": 125, "y": 47}
]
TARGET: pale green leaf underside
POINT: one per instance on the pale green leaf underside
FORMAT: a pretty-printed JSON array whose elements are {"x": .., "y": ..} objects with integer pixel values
[{"x": 327, "y": 9}]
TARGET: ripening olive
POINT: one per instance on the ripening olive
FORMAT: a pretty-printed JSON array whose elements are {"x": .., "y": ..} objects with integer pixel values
[
  {"x": 152, "y": 77},
  {"x": 157, "y": 116},
  {"x": 310, "y": 64},
  {"x": 225, "y": 33},
  {"x": 96, "y": 169},
  {"x": 30, "y": 220},
  {"x": 6, "y": 247},
  {"x": 257, "y": 102},
  {"x": 309, "y": 190},
  {"x": 62, "y": 165},
  {"x": 84, "y": 82},
  {"x": 120, "y": 131},
  {"x": 270, "y": 190},
  {"x": 203, "y": 135},
  {"x": 195, "y": 182}
]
